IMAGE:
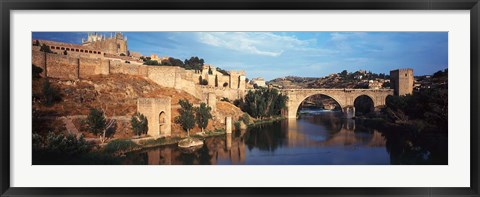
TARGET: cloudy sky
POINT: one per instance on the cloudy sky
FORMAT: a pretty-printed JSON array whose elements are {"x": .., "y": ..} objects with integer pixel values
[{"x": 277, "y": 54}]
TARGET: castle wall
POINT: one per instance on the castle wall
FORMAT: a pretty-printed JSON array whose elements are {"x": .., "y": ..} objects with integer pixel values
[
  {"x": 75, "y": 67},
  {"x": 88, "y": 66}
]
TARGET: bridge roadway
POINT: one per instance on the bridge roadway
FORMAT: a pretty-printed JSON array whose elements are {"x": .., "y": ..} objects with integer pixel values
[{"x": 344, "y": 97}]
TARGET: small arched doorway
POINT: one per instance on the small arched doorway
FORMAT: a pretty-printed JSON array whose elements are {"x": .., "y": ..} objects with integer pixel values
[{"x": 161, "y": 122}]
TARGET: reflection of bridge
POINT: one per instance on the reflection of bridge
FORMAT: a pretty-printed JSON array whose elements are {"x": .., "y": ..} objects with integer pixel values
[
  {"x": 344, "y": 97},
  {"x": 345, "y": 135}
]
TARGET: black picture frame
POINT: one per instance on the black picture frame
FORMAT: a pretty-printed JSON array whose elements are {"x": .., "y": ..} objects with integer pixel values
[{"x": 9, "y": 5}]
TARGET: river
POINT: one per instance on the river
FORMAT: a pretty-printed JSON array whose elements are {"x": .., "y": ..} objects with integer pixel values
[{"x": 317, "y": 137}]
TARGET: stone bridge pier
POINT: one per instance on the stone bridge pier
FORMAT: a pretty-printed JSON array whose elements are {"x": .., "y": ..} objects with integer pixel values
[{"x": 344, "y": 97}]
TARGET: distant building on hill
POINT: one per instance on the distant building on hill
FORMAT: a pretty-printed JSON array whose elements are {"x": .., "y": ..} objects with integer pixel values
[{"x": 259, "y": 81}]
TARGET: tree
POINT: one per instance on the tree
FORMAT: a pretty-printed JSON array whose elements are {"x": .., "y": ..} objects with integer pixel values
[
  {"x": 151, "y": 62},
  {"x": 204, "y": 82},
  {"x": 50, "y": 93},
  {"x": 139, "y": 124},
  {"x": 344, "y": 73},
  {"x": 36, "y": 72},
  {"x": 45, "y": 48},
  {"x": 194, "y": 63},
  {"x": 264, "y": 102},
  {"x": 210, "y": 72},
  {"x": 96, "y": 121},
  {"x": 202, "y": 115},
  {"x": 98, "y": 124},
  {"x": 187, "y": 117},
  {"x": 175, "y": 62}
]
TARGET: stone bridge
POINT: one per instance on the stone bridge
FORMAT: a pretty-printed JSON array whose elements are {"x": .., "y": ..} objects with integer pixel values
[{"x": 344, "y": 97}]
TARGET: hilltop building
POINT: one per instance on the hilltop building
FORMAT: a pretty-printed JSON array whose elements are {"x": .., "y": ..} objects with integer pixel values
[
  {"x": 115, "y": 45},
  {"x": 259, "y": 82}
]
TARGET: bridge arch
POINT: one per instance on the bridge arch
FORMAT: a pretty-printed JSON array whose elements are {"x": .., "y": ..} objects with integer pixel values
[
  {"x": 294, "y": 104},
  {"x": 364, "y": 104}
]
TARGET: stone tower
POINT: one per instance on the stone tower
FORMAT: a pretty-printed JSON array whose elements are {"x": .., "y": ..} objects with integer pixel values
[
  {"x": 401, "y": 81},
  {"x": 158, "y": 112}
]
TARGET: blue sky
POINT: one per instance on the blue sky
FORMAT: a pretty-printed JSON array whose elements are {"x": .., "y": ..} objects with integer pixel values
[{"x": 277, "y": 54}]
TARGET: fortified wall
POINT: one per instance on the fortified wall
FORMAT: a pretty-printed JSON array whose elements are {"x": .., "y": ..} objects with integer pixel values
[{"x": 78, "y": 66}]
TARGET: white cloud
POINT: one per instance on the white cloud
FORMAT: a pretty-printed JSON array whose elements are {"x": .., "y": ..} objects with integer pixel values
[{"x": 260, "y": 43}]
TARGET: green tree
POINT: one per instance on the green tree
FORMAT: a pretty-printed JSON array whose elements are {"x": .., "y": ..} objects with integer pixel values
[
  {"x": 264, "y": 102},
  {"x": 187, "y": 115},
  {"x": 202, "y": 115},
  {"x": 194, "y": 63},
  {"x": 50, "y": 93},
  {"x": 98, "y": 125},
  {"x": 36, "y": 72},
  {"x": 139, "y": 124}
]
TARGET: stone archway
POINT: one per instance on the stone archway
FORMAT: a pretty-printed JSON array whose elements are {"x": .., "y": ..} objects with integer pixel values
[
  {"x": 364, "y": 104},
  {"x": 294, "y": 104}
]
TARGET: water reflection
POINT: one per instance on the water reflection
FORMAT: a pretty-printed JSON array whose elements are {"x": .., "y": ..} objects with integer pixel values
[{"x": 320, "y": 138}]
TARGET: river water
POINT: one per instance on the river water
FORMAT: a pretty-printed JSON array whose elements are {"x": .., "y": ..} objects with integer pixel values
[{"x": 317, "y": 137}]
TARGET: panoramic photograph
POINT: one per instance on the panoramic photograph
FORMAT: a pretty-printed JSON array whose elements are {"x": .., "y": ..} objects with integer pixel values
[{"x": 239, "y": 98}]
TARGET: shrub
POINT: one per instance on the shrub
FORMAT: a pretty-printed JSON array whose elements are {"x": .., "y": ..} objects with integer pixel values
[
  {"x": 36, "y": 72},
  {"x": 45, "y": 48},
  {"x": 225, "y": 99},
  {"x": 50, "y": 94},
  {"x": 120, "y": 146},
  {"x": 245, "y": 118},
  {"x": 204, "y": 82},
  {"x": 139, "y": 124},
  {"x": 61, "y": 145}
]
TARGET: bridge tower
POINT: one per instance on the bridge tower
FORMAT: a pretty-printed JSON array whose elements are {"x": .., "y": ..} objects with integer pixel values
[{"x": 401, "y": 81}]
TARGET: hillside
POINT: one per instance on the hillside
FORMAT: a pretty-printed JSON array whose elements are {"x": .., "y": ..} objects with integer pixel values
[{"x": 116, "y": 94}]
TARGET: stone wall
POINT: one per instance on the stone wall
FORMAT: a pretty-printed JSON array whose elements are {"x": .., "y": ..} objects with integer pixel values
[
  {"x": 73, "y": 67},
  {"x": 62, "y": 66}
]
